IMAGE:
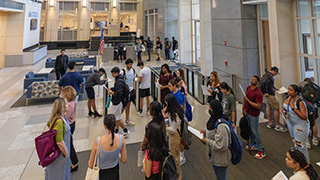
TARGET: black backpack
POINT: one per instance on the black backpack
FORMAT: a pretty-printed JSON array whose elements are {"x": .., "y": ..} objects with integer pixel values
[
  {"x": 184, "y": 133},
  {"x": 244, "y": 128},
  {"x": 169, "y": 170},
  {"x": 311, "y": 110},
  {"x": 126, "y": 91},
  {"x": 311, "y": 92}
]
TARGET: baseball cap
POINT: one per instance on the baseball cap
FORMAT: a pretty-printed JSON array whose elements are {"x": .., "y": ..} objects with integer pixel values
[{"x": 276, "y": 69}]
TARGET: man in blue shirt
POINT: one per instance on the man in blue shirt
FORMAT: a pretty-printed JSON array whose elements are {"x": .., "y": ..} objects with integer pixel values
[{"x": 72, "y": 78}]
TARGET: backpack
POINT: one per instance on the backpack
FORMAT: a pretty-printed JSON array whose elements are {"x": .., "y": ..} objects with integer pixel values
[
  {"x": 311, "y": 110},
  {"x": 187, "y": 108},
  {"x": 149, "y": 44},
  {"x": 311, "y": 92},
  {"x": 169, "y": 170},
  {"x": 126, "y": 91},
  {"x": 46, "y": 146},
  {"x": 160, "y": 45},
  {"x": 124, "y": 73},
  {"x": 236, "y": 146},
  {"x": 185, "y": 134},
  {"x": 244, "y": 128}
]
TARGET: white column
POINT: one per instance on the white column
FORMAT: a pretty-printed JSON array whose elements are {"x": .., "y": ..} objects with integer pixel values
[
  {"x": 114, "y": 18},
  {"x": 206, "y": 37},
  {"x": 184, "y": 31},
  {"x": 84, "y": 22}
]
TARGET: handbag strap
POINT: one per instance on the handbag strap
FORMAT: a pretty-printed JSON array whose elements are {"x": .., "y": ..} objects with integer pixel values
[
  {"x": 54, "y": 122},
  {"x": 96, "y": 164}
]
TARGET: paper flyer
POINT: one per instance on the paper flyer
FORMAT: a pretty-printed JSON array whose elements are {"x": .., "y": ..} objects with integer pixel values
[
  {"x": 195, "y": 132},
  {"x": 280, "y": 176},
  {"x": 282, "y": 90},
  {"x": 205, "y": 90},
  {"x": 244, "y": 94}
]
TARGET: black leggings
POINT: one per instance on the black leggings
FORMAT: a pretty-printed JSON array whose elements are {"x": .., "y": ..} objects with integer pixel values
[
  {"x": 109, "y": 174},
  {"x": 73, "y": 153}
]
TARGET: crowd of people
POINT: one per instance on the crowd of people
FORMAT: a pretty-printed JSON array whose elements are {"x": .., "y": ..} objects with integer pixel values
[{"x": 163, "y": 134}]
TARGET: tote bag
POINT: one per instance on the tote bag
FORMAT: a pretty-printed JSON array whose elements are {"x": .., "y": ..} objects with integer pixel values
[{"x": 93, "y": 174}]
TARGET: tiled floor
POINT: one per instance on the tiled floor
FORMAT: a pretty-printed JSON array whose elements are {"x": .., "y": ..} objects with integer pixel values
[{"x": 20, "y": 126}]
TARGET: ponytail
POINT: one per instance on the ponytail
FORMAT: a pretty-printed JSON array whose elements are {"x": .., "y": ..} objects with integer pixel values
[
  {"x": 311, "y": 172},
  {"x": 225, "y": 86},
  {"x": 110, "y": 123}
]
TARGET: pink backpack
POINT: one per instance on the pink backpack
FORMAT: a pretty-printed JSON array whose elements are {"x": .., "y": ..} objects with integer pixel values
[{"x": 46, "y": 146}]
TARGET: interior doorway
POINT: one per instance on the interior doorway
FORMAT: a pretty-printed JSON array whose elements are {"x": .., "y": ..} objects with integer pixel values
[{"x": 266, "y": 44}]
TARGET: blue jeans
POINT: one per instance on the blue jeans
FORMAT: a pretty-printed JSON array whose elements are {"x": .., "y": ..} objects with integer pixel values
[
  {"x": 221, "y": 172},
  {"x": 254, "y": 130}
]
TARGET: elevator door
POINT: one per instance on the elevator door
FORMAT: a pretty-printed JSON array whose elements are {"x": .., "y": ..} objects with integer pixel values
[{"x": 266, "y": 44}]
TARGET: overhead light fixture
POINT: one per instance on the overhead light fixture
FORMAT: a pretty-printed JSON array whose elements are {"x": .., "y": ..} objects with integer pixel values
[
  {"x": 114, "y": 3},
  {"x": 51, "y": 3},
  {"x": 84, "y": 3}
]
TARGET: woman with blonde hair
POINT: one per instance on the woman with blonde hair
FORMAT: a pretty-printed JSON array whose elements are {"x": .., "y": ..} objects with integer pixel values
[
  {"x": 59, "y": 169},
  {"x": 213, "y": 87},
  {"x": 70, "y": 94}
]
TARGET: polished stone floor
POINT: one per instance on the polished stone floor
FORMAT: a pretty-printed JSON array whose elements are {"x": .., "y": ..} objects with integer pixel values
[{"x": 20, "y": 126}]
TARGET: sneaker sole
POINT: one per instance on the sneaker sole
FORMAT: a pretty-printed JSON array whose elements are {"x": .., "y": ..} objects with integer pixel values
[
  {"x": 260, "y": 157},
  {"x": 183, "y": 163},
  {"x": 279, "y": 130}
]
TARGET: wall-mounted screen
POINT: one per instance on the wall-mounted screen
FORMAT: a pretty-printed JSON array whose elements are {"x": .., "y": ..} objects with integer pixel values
[{"x": 33, "y": 24}]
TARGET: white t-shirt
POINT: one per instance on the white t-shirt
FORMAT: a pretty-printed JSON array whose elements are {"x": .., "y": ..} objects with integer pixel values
[
  {"x": 130, "y": 75},
  {"x": 300, "y": 175},
  {"x": 145, "y": 73}
]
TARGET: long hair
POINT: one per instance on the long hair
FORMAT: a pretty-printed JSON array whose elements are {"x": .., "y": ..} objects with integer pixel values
[
  {"x": 167, "y": 67},
  {"x": 173, "y": 107},
  {"x": 216, "y": 79},
  {"x": 298, "y": 157},
  {"x": 156, "y": 113},
  {"x": 70, "y": 93},
  {"x": 182, "y": 75},
  {"x": 58, "y": 109},
  {"x": 110, "y": 123},
  {"x": 174, "y": 83},
  {"x": 225, "y": 86},
  {"x": 157, "y": 146}
]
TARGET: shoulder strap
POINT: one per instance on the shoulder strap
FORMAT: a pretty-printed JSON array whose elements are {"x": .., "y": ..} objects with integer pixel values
[
  {"x": 124, "y": 72},
  {"x": 163, "y": 164},
  {"x": 298, "y": 104},
  {"x": 54, "y": 122},
  {"x": 120, "y": 145},
  {"x": 134, "y": 71}
]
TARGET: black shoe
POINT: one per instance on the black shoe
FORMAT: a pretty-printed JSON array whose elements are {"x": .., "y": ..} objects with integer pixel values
[
  {"x": 148, "y": 60},
  {"x": 75, "y": 168},
  {"x": 97, "y": 115},
  {"x": 90, "y": 114},
  {"x": 158, "y": 59}
]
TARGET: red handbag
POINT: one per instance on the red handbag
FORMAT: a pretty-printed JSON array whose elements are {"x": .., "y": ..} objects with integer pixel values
[{"x": 46, "y": 146}]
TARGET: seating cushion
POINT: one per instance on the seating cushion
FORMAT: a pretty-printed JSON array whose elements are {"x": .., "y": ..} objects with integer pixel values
[
  {"x": 30, "y": 75},
  {"x": 49, "y": 60}
]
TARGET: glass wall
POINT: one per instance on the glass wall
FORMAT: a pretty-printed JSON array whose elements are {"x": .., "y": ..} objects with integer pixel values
[
  {"x": 68, "y": 21},
  {"x": 196, "y": 52},
  {"x": 151, "y": 20},
  {"x": 99, "y": 12},
  {"x": 308, "y": 29}
]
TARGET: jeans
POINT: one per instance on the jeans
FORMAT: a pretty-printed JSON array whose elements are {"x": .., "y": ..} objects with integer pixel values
[
  {"x": 221, "y": 172},
  {"x": 149, "y": 53},
  {"x": 254, "y": 130},
  {"x": 139, "y": 55},
  {"x": 167, "y": 54},
  {"x": 73, "y": 154}
]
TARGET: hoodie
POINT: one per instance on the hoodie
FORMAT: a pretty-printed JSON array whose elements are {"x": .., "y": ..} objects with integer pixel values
[
  {"x": 118, "y": 90},
  {"x": 217, "y": 139}
]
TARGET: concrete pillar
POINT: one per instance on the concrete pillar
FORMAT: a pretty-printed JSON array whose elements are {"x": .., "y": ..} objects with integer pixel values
[
  {"x": 114, "y": 19},
  {"x": 52, "y": 23},
  {"x": 84, "y": 22},
  {"x": 3, "y": 37},
  {"x": 206, "y": 37},
  {"x": 140, "y": 17},
  {"x": 184, "y": 31},
  {"x": 282, "y": 42}
]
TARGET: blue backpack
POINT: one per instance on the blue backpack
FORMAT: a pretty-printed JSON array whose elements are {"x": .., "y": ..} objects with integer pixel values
[
  {"x": 236, "y": 146},
  {"x": 188, "y": 109}
]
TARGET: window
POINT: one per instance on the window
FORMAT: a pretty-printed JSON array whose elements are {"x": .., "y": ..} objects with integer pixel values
[
  {"x": 196, "y": 32},
  {"x": 68, "y": 20},
  {"x": 100, "y": 6},
  {"x": 128, "y": 6}
]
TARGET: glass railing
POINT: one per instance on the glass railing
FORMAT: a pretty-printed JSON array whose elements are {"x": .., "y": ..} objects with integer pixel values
[{"x": 11, "y": 5}]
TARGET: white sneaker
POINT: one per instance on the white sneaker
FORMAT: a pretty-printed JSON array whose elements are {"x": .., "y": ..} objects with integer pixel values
[
  {"x": 140, "y": 114},
  {"x": 148, "y": 113},
  {"x": 315, "y": 141},
  {"x": 308, "y": 145},
  {"x": 126, "y": 134},
  {"x": 183, "y": 160}
]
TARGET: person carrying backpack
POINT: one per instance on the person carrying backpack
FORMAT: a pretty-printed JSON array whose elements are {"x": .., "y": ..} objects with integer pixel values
[
  {"x": 118, "y": 93},
  {"x": 217, "y": 140}
]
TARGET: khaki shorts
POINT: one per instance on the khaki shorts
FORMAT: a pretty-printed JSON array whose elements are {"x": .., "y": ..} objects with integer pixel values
[{"x": 273, "y": 102}]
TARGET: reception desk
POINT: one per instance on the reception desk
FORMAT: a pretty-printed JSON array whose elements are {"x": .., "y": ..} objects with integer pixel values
[{"x": 32, "y": 56}]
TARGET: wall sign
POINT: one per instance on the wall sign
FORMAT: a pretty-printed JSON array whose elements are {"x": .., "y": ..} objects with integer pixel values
[{"x": 33, "y": 14}]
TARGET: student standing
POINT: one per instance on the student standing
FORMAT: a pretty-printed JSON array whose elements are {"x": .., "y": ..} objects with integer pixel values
[
  {"x": 167, "y": 48},
  {"x": 228, "y": 103},
  {"x": 109, "y": 148},
  {"x": 159, "y": 48},
  {"x": 174, "y": 47},
  {"x": 217, "y": 140},
  {"x": 60, "y": 167},
  {"x": 165, "y": 77},
  {"x": 117, "y": 97},
  {"x": 297, "y": 119},
  {"x": 156, "y": 152},
  {"x": 251, "y": 109},
  {"x": 120, "y": 52},
  {"x": 92, "y": 80},
  {"x": 269, "y": 91},
  {"x": 303, "y": 169},
  {"x": 60, "y": 64},
  {"x": 149, "y": 48},
  {"x": 129, "y": 75},
  {"x": 144, "y": 87},
  {"x": 214, "y": 87},
  {"x": 157, "y": 117},
  {"x": 72, "y": 78},
  {"x": 182, "y": 83},
  {"x": 174, "y": 113},
  {"x": 69, "y": 94},
  {"x": 139, "y": 49}
]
